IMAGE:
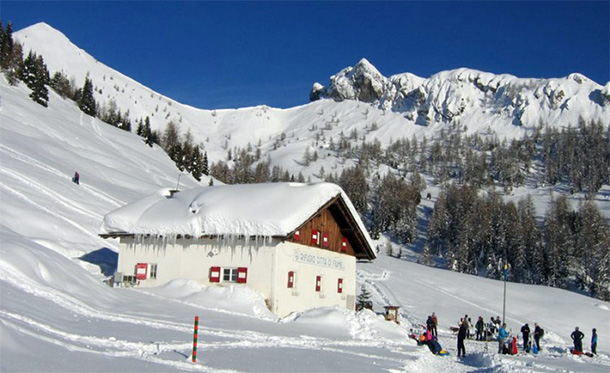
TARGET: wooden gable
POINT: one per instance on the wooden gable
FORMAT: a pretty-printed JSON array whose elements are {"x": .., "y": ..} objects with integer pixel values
[{"x": 333, "y": 228}]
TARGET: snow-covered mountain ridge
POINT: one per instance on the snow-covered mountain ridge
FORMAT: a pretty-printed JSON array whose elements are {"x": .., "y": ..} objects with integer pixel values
[
  {"x": 460, "y": 94},
  {"x": 359, "y": 98}
]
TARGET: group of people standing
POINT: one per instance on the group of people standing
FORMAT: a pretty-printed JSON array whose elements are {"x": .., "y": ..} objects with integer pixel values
[
  {"x": 527, "y": 333},
  {"x": 495, "y": 329}
]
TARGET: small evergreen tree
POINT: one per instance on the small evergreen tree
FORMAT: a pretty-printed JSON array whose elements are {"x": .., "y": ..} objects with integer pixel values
[
  {"x": 364, "y": 299},
  {"x": 86, "y": 101}
]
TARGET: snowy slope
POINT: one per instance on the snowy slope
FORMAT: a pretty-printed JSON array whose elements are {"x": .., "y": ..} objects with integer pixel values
[{"x": 57, "y": 315}]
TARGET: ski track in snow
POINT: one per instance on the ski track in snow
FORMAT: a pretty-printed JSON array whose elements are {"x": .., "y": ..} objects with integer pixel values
[
  {"x": 35, "y": 163},
  {"x": 68, "y": 203},
  {"x": 42, "y": 208},
  {"x": 385, "y": 293},
  {"x": 146, "y": 351}
]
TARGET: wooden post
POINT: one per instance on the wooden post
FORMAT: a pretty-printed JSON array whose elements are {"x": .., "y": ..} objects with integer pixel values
[{"x": 195, "y": 339}]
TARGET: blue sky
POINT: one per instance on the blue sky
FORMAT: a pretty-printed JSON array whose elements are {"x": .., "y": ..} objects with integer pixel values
[{"x": 237, "y": 54}]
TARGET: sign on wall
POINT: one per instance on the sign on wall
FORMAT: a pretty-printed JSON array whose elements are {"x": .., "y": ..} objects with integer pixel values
[{"x": 319, "y": 260}]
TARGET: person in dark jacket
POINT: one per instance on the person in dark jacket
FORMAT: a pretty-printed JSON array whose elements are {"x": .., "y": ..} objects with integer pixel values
[
  {"x": 525, "y": 330},
  {"x": 429, "y": 324},
  {"x": 594, "y": 342},
  {"x": 434, "y": 324},
  {"x": 538, "y": 333},
  {"x": 460, "y": 339},
  {"x": 480, "y": 329},
  {"x": 577, "y": 337}
]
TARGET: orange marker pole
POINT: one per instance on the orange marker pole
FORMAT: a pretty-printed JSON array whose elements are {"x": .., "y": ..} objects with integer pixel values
[{"x": 195, "y": 339}]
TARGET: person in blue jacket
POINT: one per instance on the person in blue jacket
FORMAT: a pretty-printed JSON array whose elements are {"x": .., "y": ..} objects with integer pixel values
[
  {"x": 502, "y": 335},
  {"x": 594, "y": 342}
]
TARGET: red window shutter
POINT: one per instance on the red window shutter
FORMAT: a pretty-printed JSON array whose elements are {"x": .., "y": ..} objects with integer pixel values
[
  {"x": 318, "y": 283},
  {"x": 297, "y": 235},
  {"x": 325, "y": 239},
  {"x": 315, "y": 237},
  {"x": 291, "y": 279},
  {"x": 340, "y": 286},
  {"x": 215, "y": 274},
  {"x": 344, "y": 245},
  {"x": 141, "y": 271},
  {"x": 242, "y": 275}
]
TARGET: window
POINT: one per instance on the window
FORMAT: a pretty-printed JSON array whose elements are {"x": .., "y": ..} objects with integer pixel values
[
  {"x": 142, "y": 271},
  {"x": 239, "y": 275},
  {"x": 229, "y": 274},
  {"x": 318, "y": 283},
  {"x": 315, "y": 237},
  {"x": 153, "y": 271},
  {"x": 340, "y": 285},
  {"x": 215, "y": 274},
  {"x": 325, "y": 241},
  {"x": 291, "y": 278}
]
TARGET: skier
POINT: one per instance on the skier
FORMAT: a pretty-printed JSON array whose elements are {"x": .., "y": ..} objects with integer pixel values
[
  {"x": 502, "y": 335},
  {"x": 76, "y": 178},
  {"x": 525, "y": 329},
  {"x": 577, "y": 337},
  {"x": 594, "y": 342},
  {"x": 435, "y": 323},
  {"x": 538, "y": 333},
  {"x": 480, "y": 328},
  {"x": 461, "y": 336}
]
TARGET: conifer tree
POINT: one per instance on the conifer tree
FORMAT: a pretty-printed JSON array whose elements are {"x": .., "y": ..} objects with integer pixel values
[
  {"x": 205, "y": 169},
  {"x": 86, "y": 101},
  {"x": 363, "y": 299}
]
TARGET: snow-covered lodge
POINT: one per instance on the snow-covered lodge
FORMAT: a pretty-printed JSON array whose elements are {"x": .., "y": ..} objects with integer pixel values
[{"x": 296, "y": 244}]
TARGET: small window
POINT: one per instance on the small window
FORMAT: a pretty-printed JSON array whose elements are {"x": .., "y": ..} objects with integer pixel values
[
  {"x": 141, "y": 271},
  {"x": 229, "y": 274},
  {"x": 153, "y": 271},
  {"x": 291, "y": 279},
  {"x": 315, "y": 237}
]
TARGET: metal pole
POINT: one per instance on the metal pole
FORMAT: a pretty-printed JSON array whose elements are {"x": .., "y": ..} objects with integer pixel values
[{"x": 504, "y": 304}]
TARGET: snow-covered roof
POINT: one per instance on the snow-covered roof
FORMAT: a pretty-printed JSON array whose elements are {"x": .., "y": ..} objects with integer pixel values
[{"x": 271, "y": 210}]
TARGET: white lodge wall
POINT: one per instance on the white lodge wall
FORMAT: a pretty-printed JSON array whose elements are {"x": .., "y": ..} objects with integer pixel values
[
  {"x": 291, "y": 277},
  {"x": 307, "y": 263}
]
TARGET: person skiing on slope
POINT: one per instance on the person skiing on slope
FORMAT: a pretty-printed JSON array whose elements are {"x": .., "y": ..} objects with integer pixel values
[
  {"x": 538, "y": 333},
  {"x": 460, "y": 339},
  {"x": 594, "y": 342},
  {"x": 76, "y": 178},
  {"x": 502, "y": 335},
  {"x": 577, "y": 337},
  {"x": 525, "y": 329}
]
